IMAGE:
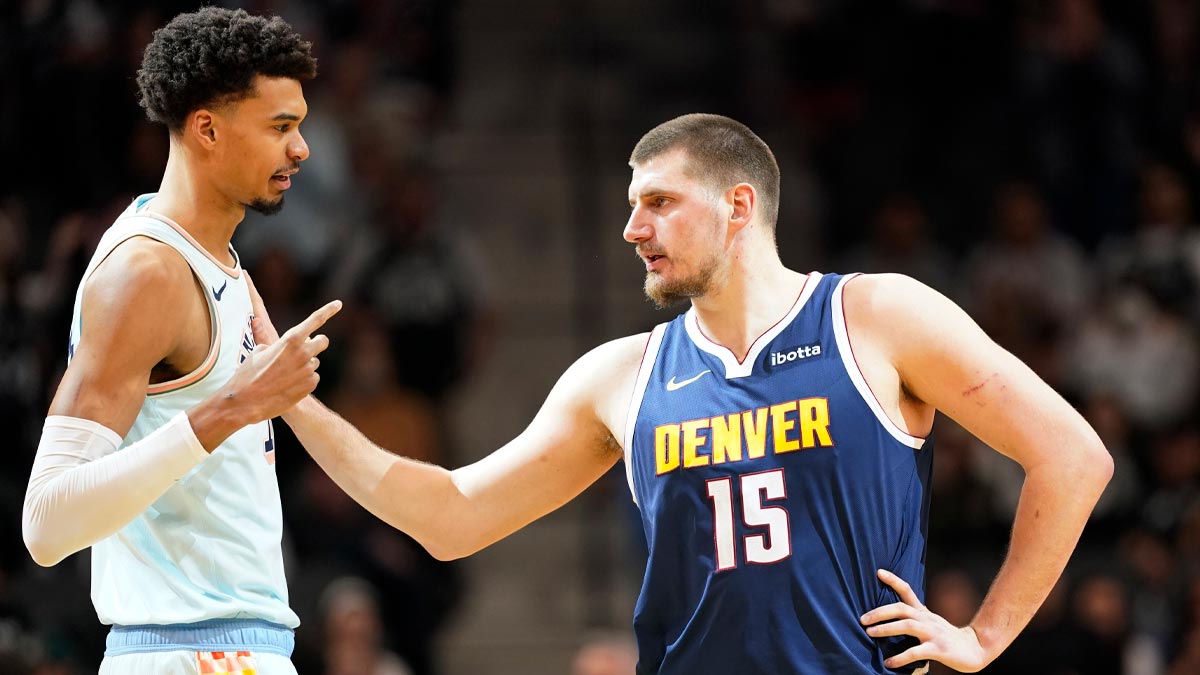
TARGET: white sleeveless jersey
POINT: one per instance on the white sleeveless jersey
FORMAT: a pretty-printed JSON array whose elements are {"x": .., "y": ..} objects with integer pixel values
[{"x": 209, "y": 548}]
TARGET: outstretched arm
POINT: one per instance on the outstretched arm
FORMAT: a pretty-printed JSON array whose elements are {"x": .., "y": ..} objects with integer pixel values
[
  {"x": 945, "y": 361},
  {"x": 566, "y": 448}
]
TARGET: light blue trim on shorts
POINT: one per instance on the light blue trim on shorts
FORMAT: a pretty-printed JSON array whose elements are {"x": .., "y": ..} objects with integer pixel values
[{"x": 214, "y": 635}]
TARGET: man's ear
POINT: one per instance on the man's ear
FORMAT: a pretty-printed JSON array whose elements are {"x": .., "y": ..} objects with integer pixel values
[
  {"x": 202, "y": 127},
  {"x": 744, "y": 200}
]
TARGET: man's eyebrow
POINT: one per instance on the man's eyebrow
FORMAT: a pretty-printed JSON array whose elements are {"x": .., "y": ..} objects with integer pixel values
[
  {"x": 287, "y": 116},
  {"x": 649, "y": 191}
]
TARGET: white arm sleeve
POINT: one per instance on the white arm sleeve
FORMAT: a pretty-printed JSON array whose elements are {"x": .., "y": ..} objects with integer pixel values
[{"x": 82, "y": 490}]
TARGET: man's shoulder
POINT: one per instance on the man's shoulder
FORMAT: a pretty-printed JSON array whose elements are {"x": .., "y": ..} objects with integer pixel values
[
  {"x": 619, "y": 357},
  {"x": 895, "y": 312},
  {"x": 140, "y": 263},
  {"x": 603, "y": 378},
  {"x": 141, "y": 286},
  {"x": 888, "y": 296}
]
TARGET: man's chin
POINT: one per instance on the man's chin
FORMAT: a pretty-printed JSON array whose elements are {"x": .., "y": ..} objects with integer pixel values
[
  {"x": 265, "y": 207},
  {"x": 665, "y": 295}
]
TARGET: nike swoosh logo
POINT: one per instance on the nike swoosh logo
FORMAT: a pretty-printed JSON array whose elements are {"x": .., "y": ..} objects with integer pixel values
[
  {"x": 217, "y": 294},
  {"x": 673, "y": 385}
]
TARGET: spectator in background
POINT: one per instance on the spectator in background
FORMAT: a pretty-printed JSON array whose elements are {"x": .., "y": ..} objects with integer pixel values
[
  {"x": 1100, "y": 614},
  {"x": 1152, "y": 568},
  {"x": 369, "y": 397},
  {"x": 19, "y": 648},
  {"x": 1140, "y": 352},
  {"x": 900, "y": 242},
  {"x": 1185, "y": 655},
  {"x": 1175, "y": 462},
  {"x": 354, "y": 631},
  {"x": 1163, "y": 254},
  {"x": 20, "y": 377},
  {"x": 416, "y": 276},
  {"x": 610, "y": 655},
  {"x": 1027, "y": 284},
  {"x": 1175, "y": 54},
  {"x": 1080, "y": 82}
]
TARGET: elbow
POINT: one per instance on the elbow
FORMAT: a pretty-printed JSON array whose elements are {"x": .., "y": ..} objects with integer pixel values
[
  {"x": 41, "y": 547},
  {"x": 39, "y": 536},
  {"x": 445, "y": 554},
  {"x": 1093, "y": 470},
  {"x": 449, "y": 543},
  {"x": 446, "y": 550},
  {"x": 1102, "y": 464}
]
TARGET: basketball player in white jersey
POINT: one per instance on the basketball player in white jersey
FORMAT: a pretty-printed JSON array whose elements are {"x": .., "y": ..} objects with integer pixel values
[
  {"x": 158, "y": 451},
  {"x": 704, "y": 197}
]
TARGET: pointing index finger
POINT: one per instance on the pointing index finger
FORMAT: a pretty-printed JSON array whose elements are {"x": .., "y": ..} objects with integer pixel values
[{"x": 316, "y": 319}]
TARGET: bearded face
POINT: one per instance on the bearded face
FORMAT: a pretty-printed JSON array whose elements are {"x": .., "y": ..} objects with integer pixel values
[
  {"x": 678, "y": 225},
  {"x": 690, "y": 279}
]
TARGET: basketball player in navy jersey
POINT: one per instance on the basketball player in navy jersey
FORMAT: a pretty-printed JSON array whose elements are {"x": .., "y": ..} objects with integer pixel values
[{"x": 776, "y": 437}]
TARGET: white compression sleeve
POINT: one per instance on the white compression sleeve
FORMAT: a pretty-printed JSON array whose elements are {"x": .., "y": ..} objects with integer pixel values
[{"x": 82, "y": 490}]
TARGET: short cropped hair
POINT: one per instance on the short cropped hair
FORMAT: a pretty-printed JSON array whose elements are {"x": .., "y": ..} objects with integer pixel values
[
  {"x": 721, "y": 151},
  {"x": 210, "y": 57}
]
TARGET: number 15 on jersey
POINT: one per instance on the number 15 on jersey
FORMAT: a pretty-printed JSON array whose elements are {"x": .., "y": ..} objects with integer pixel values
[{"x": 757, "y": 491}]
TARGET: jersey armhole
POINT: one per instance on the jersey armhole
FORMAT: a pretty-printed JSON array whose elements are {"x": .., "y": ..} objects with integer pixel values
[
  {"x": 635, "y": 401},
  {"x": 841, "y": 333}
]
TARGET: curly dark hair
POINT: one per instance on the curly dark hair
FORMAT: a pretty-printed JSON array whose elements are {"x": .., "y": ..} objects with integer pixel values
[{"x": 211, "y": 56}]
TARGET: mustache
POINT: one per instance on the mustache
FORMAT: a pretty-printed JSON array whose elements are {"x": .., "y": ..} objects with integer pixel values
[
  {"x": 642, "y": 251},
  {"x": 294, "y": 167}
]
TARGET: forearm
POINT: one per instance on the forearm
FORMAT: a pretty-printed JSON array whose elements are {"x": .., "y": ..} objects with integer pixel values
[
  {"x": 1055, "y": 503},
  {"x": 82, "y": 490},
  {"x": 417, "y": 498}
]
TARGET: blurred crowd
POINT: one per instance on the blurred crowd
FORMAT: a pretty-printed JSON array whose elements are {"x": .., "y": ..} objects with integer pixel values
[{"x": 1037, "y": 161}]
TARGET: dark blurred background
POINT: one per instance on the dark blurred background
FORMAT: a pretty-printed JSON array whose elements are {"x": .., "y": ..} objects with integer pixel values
[{"x": 1037, "y": 161}]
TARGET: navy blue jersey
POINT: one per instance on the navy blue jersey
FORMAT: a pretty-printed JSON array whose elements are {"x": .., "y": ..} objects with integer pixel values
[{"x": 771, "y": 490}]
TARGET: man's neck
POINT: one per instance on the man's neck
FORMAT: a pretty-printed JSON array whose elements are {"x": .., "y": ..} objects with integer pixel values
[
  {"x": 751, "y": 299},
  {"x": 187, "y": 198}
]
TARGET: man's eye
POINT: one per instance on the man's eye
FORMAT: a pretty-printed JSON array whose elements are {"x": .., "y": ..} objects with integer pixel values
[
  {"x": 659, "y": 202},
  {"x": 283, "y": 127}
]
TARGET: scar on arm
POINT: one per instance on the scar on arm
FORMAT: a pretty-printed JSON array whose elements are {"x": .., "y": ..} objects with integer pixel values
[{"x": 969, "y": 391}]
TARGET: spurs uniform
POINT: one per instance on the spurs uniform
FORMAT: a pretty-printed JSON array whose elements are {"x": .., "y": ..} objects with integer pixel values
[{"x": 195, "y": 584}]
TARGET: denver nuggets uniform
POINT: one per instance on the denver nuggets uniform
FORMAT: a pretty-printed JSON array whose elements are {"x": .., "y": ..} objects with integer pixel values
[
  {"x": 770, "y": 490},
  {"x": 202, "y": 566}
]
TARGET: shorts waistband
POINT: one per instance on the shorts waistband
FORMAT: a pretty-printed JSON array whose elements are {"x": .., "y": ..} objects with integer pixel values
[{"x": 214, "y": 635}]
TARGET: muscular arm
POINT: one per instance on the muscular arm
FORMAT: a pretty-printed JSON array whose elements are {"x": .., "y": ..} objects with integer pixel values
[
  {"x": 566, "y": 447},
  {"x": 134, "y": 312},
  {"x": 946, "y": 362}
]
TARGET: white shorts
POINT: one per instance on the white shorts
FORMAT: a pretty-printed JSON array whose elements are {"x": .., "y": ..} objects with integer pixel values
[{"x": 197, "y": 663}]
